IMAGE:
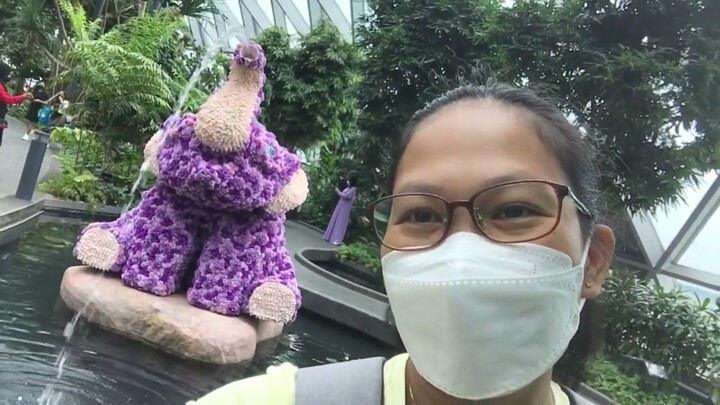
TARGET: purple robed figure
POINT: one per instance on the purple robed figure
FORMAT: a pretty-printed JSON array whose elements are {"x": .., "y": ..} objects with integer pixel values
[{"x": 340, "y": 219}]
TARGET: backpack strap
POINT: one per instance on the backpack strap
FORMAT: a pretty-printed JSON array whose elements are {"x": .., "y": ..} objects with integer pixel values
[{"x": 356, "y": 382}]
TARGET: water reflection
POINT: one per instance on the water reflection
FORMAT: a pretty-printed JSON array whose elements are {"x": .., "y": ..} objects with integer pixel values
[{"x": 105, "y": 368}]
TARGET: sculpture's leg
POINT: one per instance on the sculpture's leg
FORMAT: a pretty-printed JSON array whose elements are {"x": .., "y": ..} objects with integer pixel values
[
  {"x": 245, "y": 268},
  {"x": 151, "y": 246},
  {"x": 100, "y": 244}
]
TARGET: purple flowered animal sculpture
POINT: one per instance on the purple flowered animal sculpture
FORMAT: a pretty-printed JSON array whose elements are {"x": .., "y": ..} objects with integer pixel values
[{"x": 215, "y": 220}]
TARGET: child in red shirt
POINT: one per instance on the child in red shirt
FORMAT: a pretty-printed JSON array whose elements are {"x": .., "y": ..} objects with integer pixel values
[{"x": 5, "y": 98}]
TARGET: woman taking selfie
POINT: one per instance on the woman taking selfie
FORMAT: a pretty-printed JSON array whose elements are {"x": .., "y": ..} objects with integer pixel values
[{"x": 492, "y": 257}]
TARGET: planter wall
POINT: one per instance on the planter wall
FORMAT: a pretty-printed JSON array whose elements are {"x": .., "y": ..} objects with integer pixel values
[
  {"x": 354, "y": 271},
  {"x": 80, "y": 210},
  {"x": 343, "y": 301},
  {"x": 308, "y": 257}
]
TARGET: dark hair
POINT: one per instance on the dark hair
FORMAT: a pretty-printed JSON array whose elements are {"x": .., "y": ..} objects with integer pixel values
[
  {"x": 353, "y": 180},
  {"x": 576, "y": 156},
  {"x": 5, "y": 70}
]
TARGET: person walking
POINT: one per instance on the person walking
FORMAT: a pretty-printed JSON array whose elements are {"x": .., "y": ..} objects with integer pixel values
[{"x": 6, "y": 99}]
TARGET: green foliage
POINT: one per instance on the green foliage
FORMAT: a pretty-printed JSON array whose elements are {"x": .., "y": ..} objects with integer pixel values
[
  {"x": 19, "y": 110},
  {"x": 165, "y": 39},
  {"x": 664, "y": 327},
  {"x": 635, "y": 71},
  {"x": 191, "y": 8},
  {"x": 125, "y": 94},
  {"x": 366, "y": 254},
  {"x": 608, "y": 378},
  {"x": 146, "y": 35},
  {"x": 181, "y": 59},
  {"x": 86, "y": 175},
  {"x": 25, "y": 37},
  {"x": 311, "y": 88},
  {"x": 715, "y": 383}
]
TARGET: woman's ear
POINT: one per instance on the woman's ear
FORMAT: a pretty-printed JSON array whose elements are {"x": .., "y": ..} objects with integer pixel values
[{"x": 600, "y": 256}]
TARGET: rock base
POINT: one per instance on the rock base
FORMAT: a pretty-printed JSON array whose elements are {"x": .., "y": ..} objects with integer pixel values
[{"x": 168, "y": 323}]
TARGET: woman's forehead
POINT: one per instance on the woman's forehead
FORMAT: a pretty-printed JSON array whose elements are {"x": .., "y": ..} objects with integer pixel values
[{"x": 471, "y": 144}]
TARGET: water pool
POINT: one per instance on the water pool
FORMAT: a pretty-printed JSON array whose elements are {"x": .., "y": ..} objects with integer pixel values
[{"x": 105, "y": 368}]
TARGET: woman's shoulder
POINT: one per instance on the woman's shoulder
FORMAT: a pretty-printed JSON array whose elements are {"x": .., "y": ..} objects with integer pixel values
[{"x": 276, "y": 386}]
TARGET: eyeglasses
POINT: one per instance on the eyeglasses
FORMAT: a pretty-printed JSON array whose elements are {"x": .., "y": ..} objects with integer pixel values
[{"x": 512, "y": 212}]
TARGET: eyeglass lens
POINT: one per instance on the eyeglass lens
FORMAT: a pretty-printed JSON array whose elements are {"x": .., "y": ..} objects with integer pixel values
[{"x": 508, "y": 213}]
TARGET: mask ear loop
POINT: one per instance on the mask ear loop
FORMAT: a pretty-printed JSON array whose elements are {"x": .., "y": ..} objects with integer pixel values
[{"x": 583, "y": 263}]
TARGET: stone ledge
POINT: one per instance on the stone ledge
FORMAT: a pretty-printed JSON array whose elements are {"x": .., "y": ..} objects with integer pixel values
[
  {"x": 52, "y": 204},
  {"x": 168, "y": 323}
]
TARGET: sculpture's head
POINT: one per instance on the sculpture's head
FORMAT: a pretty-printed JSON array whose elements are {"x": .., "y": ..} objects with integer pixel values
[
  {"x": 223, "y": 122},
  {"x": 233, "y": 161}
]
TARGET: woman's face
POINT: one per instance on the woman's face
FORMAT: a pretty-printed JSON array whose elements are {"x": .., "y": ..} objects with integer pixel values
[{"x": 471, "y": 145}]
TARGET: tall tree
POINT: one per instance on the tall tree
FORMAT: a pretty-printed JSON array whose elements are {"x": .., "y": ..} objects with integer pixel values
[
  {"x": 311, "y": 87},
  {"x": 639, "y": 73},
  {"x": 27, "y": 37}
]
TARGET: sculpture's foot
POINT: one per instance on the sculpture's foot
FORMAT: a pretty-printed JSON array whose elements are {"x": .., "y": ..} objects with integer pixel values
[
  {"x": 272, "y": 302},
  {"x": 98, "y": 248}
]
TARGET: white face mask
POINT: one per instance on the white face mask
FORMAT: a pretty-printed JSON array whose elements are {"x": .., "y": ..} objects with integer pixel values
[{"x": 481, "y": 319}]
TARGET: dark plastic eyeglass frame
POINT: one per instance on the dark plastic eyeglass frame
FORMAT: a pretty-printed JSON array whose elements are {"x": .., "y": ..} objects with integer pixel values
[{"x": 561, "y": 191}]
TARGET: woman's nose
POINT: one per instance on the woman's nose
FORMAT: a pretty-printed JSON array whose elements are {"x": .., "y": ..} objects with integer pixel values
[{"x": 462, "y": 221}]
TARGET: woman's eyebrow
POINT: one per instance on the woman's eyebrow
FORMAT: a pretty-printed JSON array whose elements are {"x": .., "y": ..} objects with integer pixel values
[
  {"x": 519, "y": 175},
  {"x": 421, "y": 187}
]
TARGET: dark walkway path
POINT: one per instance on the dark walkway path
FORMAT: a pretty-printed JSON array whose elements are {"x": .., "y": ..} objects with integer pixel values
[{"x": 12, "y": 158}]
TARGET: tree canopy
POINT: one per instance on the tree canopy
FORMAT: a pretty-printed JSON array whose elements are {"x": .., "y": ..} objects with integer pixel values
[
  {"x": 640, "y": 74},
  {"x": 311, "y": 88}
]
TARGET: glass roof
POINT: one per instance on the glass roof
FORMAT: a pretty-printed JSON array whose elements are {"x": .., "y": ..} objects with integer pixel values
[
  {"x": 694, "y": 226},
  {"x": 669, "y": 219},
  {"x": 704, "y": 252}
]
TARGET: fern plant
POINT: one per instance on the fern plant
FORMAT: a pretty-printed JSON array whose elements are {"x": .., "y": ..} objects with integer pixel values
[{"x": 124, "y": 92}]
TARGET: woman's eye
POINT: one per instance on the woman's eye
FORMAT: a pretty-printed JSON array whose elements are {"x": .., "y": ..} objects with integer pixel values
[
  {"x": 513, "y": 212},
  {"x": 421, "y": 216}
]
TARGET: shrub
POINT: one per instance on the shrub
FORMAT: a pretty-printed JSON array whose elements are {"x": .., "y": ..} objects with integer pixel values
[
  {"x": 715, "y": 383},
  {"x": 665, "y": 327},
  {"x": 607, "y": 378},
  {"x": 87, "y": 174},
  {"x": 310, "y": 93},
  {"x": 365, "y": 254},
  {"x": 19, "y": 110}
]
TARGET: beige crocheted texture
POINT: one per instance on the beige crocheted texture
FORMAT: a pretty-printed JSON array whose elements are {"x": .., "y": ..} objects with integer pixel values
[
  {"x": 98, "y": 248},
  {"x": 223, "y": 122},
  {"x": 272, "y": 302},
  {"x": 292, "y": 195},
  {"x": 152, "y": 147}
]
